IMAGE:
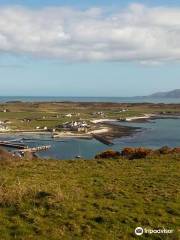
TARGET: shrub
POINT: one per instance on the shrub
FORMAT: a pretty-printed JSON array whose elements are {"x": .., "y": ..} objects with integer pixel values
[
  {"x": 176, "y": 150},
  {"x": 127, "y": 151},
  {"x": 135, "y": 153},
  {"x": 165, "y": 150},
  {"x": 108, "y": 154}
]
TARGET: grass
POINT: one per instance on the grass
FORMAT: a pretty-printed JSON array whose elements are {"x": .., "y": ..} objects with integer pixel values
[
  {"x": 36, "y": 112},
  {"x": 89, "y": 199}
]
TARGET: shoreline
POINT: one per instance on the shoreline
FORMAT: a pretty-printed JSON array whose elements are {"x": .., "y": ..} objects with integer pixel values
[
  {"x": 105, "y": 128},
  {"x": 146, "y": 116},
  {"x": 128, "y": 119},
  {"x": 103, "y": 120}
]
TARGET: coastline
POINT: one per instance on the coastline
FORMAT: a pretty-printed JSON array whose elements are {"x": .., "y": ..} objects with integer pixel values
[
  {"x": 118, "y": 131},
  {"x": 146, "y": 116},
  {"x": 105, "y": 127},
  {"x": 102, "y": 120},
  {"x": 127, "y": 119}
]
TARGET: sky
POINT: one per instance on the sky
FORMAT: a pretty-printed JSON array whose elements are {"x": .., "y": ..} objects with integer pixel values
[{"x": 89, "y": 48}]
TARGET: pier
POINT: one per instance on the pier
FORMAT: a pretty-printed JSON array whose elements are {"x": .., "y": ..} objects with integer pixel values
[
  {"x": 22, "y": 148},
  {"x": 12, "y": 144},
  {"x": 102, "y": 139},
  {"x": 34, "y": 149}
]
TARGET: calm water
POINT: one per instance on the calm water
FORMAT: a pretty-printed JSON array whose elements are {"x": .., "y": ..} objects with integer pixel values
[
  {"x": 154, "y": 134},
  {"x": 91, "y": 99}
]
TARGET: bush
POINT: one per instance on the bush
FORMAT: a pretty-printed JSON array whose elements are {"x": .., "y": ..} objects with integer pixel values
[
  {"x": 136, "y": 153},
  {"x": 108, "y": 154},
  {"x": 165, "y": 150},
  {"x": 128, "y": 151},
  {"x": 176, "y": 150}
]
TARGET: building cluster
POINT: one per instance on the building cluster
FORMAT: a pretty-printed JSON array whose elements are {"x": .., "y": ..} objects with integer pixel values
[
  {"x": 102, "y": 114},
  {"x": 3, "y": 126},
  {"x": 79, "y": 126},
  {"x": 72, "y": 114}
]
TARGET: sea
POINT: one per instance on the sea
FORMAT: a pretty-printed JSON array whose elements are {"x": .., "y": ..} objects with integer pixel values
[
  {"x": 153, "y": 133},
  {"x": 90, "y": 99}
]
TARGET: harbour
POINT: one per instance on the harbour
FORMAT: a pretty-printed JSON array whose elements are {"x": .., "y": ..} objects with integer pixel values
[{"x": 153, "y": 134}]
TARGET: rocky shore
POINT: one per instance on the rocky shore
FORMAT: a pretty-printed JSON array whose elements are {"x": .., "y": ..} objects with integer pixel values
[{"x": 117, "y": 131}]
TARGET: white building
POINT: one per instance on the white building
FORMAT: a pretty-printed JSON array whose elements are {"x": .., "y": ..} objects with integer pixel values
[
  {"x": 68, "y": 115},
  {"x": 4, "y": 128}
]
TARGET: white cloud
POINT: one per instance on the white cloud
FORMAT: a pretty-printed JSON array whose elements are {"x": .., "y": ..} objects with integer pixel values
[{"x": 137, "y": 33}]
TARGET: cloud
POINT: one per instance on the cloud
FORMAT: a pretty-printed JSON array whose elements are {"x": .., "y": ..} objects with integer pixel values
[{"x": 136, "y": 33}]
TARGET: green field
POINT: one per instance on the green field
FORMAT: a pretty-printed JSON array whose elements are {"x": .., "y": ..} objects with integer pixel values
[
  {"x": 45, "y": 114},
  {"x": 89, "y": 199}
]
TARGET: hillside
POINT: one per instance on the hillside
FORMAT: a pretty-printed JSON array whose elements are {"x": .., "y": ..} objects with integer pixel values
[
  {"x": 170, "y": 94},
  {"x": 93, "y": 199}
]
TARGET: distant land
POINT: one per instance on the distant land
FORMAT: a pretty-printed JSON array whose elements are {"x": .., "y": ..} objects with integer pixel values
[{"x": 171, "y": 94}]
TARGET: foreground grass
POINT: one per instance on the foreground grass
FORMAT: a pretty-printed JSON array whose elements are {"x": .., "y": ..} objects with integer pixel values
[{"x": 97, "y": 199}]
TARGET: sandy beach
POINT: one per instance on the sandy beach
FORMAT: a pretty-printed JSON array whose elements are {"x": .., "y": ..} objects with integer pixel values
[
  {"x": 102, "y": 120},
  {"x": 146, "y": 116}
]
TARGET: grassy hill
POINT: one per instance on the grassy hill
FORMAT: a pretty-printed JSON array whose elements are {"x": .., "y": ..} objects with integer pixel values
[{"x": 89, "y": 199}]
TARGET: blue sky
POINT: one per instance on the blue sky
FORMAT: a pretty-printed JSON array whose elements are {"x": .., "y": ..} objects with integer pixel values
[
  {"x": 87, "y": 3},
  {"x": 34, "y": 63}
]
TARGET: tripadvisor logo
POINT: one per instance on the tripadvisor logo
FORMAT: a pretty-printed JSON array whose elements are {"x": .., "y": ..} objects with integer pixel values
[{"x": 139, "y": 231}]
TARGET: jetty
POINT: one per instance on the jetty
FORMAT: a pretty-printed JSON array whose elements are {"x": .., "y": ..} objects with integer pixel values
[
  {"x": 102, "y": 139},
  {"x": 22, "y": 148},
  {"x": 12, "y": 144},
  {"x": 34, "y": 149}
]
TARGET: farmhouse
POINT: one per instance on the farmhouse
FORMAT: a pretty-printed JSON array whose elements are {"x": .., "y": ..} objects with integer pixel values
[{"x": 68, "y": 115}]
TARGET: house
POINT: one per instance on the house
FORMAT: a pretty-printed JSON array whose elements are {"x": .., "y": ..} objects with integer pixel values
[
  {"x": 68, "y": 115},
  {"x": 123, "y": 110},
  {"x": 5, "y": 110},
  {"x": 26, "y": 120},
  {"x": 4, "y": 128}
]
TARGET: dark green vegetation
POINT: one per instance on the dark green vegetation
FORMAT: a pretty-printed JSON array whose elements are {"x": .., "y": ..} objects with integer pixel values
[
  {"x": 27, "y": 116},
  {"x": 92, "y": 199},
  {"x": 137, "y": 153}
]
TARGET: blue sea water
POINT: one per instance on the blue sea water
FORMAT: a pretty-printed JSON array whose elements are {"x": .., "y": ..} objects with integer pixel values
[{"x": 91, "y": 99}]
